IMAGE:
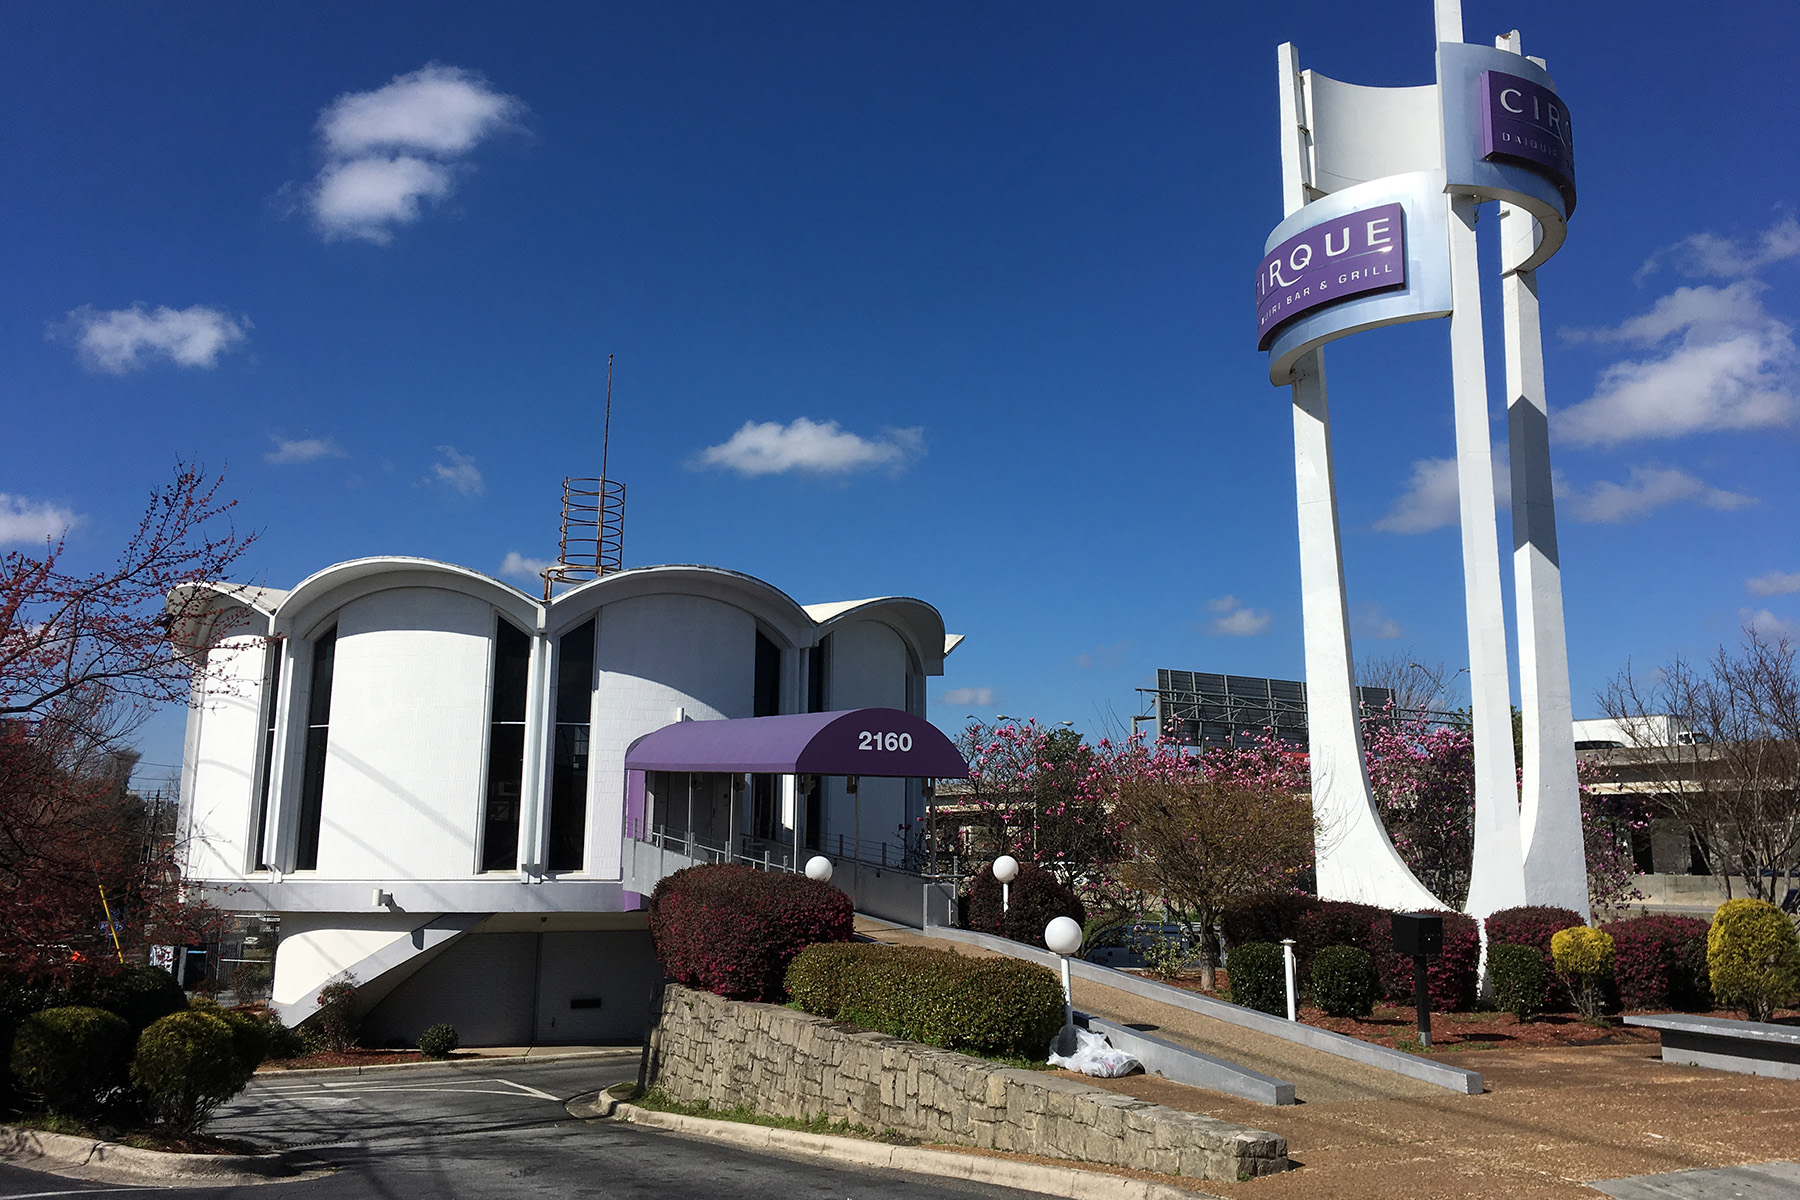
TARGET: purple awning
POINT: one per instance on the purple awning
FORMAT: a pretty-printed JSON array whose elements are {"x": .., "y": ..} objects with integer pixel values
[{"x": 863, "y": 741}]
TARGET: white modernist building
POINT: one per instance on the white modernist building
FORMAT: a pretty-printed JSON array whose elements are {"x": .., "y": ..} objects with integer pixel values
[{"x": 424, "y": 772}]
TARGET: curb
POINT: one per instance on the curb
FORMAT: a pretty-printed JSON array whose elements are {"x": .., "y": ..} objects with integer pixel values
[
  {"x": 90, "y": 1158},
  {"x": 454, "y": 1063},
  {"x": 1046, "y": 1180}
]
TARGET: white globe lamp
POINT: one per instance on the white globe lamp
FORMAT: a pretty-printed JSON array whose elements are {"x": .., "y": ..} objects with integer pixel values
[
  {"x": 819, "y": 867},
  {"x": 1063, "y": 936},
  {"x": 1006, "y": 869}
]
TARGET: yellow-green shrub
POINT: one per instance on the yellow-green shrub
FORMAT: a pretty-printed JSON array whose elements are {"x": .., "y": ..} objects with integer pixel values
[
  {"x": 1753, "y": 956},
  {"x": 1584, "y": 958}
]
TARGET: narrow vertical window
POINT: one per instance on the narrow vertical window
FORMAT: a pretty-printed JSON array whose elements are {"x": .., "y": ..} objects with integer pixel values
[
  {"x": 766, "y": 698},
  {"x": 569, "y": 782},
  {"x": 318, "y": 729},
  {"x": 271, "y": 697},
  {"x": 815, "y": 675},
  {"x": 506, "y": 748}
]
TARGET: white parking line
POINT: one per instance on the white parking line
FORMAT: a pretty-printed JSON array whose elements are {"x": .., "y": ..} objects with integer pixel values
[
  {"x": 79, "y": 1192},
  {"x": 345, "y": 1089}
]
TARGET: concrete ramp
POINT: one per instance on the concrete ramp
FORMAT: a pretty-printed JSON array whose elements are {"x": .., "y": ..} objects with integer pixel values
[{"x": 380, "y": 950}]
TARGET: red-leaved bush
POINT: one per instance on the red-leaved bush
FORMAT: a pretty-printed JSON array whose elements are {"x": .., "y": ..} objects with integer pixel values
[
  {"x": 1037, "y": 898},
  {"x": 1450, "y": 978},
  {"x": 733, "y": 930},
  {"x": 1268, "y": 917},
  {"x": 1533, "y": 925},
  {"x": 1660, "y": 962}
]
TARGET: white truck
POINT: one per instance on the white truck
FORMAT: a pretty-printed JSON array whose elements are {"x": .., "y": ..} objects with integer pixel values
[{"x": 1613, "y": 733}]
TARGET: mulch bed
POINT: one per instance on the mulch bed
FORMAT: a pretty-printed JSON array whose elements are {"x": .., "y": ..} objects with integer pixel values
[
  {"x": 349, "y": 1058},
  {"x": 1390, "y": 1025}
]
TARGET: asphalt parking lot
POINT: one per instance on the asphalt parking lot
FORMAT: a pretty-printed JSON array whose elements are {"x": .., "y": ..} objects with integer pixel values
[{"x": 495, "y": 1130}]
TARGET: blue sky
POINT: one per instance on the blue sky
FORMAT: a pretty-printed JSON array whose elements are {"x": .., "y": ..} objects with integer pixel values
[{"x": 950, "y": 300}]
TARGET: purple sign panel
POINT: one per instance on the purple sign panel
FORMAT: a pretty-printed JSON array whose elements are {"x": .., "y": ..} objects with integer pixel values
[
  {"x": 1528, "y": 124},
  {"x": 1336, "y": 260}
]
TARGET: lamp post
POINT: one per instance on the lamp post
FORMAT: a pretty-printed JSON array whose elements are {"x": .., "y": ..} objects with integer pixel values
[
  {"x": 819, "y": 867},
  {"x": 1063, "y": 936},
  {"x": 1006, "y": 869}
]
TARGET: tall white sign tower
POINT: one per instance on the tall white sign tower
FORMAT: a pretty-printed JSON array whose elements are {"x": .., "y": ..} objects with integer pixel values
[{"x": 1381, "y": 188}]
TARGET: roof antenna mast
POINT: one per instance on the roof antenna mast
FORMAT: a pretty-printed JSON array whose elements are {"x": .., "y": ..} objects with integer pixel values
[{"x": 593, "y": 517}]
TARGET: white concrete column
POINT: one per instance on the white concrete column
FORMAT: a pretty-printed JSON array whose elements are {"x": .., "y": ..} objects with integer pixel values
[
  {"x": 1497, "y": 876},
  {"x": 539, "y": 737},
  {"x": 1356, "y": 859},
  {"x": 1550, "y": 799}
]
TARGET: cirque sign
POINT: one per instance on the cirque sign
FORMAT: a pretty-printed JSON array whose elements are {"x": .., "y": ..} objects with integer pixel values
[
  {"x": 1528, "y": 123},
  {"x": 1351, "y": 255}
]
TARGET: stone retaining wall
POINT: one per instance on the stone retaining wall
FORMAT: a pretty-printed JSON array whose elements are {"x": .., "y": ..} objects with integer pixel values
[{"x": 788, "y": 1063}]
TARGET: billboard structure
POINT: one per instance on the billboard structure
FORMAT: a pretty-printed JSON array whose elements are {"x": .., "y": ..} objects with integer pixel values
[
  {"x": 1381, "y": 187},
  {"x": 1195, "y": 708}
]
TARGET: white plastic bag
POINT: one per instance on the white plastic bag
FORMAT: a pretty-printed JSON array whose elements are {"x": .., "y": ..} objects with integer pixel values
[{"x": 1095, "y": 1056}]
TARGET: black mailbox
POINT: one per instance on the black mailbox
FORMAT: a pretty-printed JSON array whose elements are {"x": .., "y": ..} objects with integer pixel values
[{"x": 1419, "y": 935}]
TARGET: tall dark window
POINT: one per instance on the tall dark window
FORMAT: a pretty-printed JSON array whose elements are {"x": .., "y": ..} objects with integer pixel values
[
  {"x": 318, "y": 729},
  {"x": 270, "y": 698},
  {"x": 569, "y": 782},
  {"x": 506, "y": 748},
  {"x": 766, "y": 701},
  {"x": 815, "y": 675}
]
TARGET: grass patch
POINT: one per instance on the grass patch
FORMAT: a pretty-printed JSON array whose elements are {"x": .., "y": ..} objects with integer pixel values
[
  {"x": 656, "y": 1100},
  {"x": 53, "y": 1123},
  {"x": 1413, "y": 1046}
]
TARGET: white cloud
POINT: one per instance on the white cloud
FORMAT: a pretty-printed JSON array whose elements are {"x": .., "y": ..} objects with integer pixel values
[
  {"x": 969, "y": 697},
  {"x": 1768, "y": 624},
  {"x": 363, "y": 197},
  {"x": 125, "y": 339},
  {"x": 1103, "y": 656},
  {"x": 1368, "y": 620},
  {"x": 1712, "y": 254},
  {"x": 1651, "y": 487},
  {"x": 22, "y": 521},
  {"x": 290, "y": 451},
  {"x": 1430, "y": 500},
  {"x": 1236, "y": 619},
  {"x": 1718, "y": 361},
  {"x": 814, "y": 447},
  {"x": 389, "y": 149},
  {"x": 1775, "y": 583},
  {"x": 457, "y": 470},
  {"x": 517, "y": 566}
]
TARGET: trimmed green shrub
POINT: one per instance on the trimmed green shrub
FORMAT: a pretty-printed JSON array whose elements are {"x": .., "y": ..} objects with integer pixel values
[
  {"x": 1521, "y": 985},
  {"x": 1661, "y": 963},
  {"x": 1257, "y": 973},
  {"x": 439, "y": 1041},
  {"x": 1753, "y": 956},
  {"x": 1344, "y": 983},
  {"x": 1334, "y": 923},
  {"x": 993, "y": 1006},
  {"x": 1036, "y": 898},
  {"x": 733, "y": 930},
  {"x": 189, "y": 1063},
  {"x": 72, "y": 1057},
  {"x": 337, "y": 1018},
  {"x": 287, "y": 1041},
  {"x": 140, "y": 995},
  {"x": 1584, "y": 959},
  {"x": 1534, "y": 925},
  {"x": 249, "y": 1037}
]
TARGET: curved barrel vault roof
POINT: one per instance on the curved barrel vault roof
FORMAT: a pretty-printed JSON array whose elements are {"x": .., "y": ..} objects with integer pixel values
[{"x": 295, "y": 612}]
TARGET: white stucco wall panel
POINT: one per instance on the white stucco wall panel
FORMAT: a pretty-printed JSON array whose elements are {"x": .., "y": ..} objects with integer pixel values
[
  {"x": 657, "y": 654},
  {"x": 224, "y": 784},
  {"x": 868, "y": 670},
  {"x": 409, "y": 717}
]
